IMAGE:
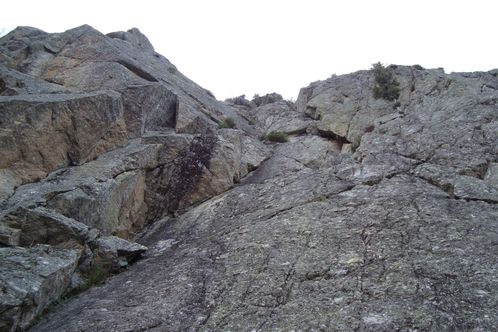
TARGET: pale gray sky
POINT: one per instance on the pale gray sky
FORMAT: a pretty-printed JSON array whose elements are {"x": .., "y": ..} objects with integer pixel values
[{"x": 236, "y": 47}]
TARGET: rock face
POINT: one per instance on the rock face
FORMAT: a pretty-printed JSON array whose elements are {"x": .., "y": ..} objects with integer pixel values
[
  {"x": 32, "y": 278},
  {"x": 375, "y": 216},
  {"x": 99, "y": 137}
]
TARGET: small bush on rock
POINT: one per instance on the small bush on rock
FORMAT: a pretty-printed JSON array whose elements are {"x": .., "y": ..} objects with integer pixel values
[
  {"x": 266, "y": 99},
  {"x": 100, "y": 271},
  {"x": 386, "y": 86},
  {"x": 227, "y": 123},
  {"x": 276, "y": 136},
  {"x": 418, "y": 67},
  {"x": 240, "y": 100}
]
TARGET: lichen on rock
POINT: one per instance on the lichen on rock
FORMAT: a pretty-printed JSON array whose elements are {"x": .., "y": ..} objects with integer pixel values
[{"x": 375, "y": 214}]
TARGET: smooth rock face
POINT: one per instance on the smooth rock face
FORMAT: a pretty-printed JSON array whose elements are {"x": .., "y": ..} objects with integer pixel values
[
  {"x": 44, "y": 132},
  {"x": 280, "y": 116},
  {"x": 375, "y": 215}
]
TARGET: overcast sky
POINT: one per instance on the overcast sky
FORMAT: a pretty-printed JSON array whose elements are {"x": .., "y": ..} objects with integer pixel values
[{"x": 245, "y": 47}]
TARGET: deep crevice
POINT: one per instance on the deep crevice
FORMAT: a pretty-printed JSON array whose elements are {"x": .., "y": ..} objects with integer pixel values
[{"x": 332, "y": 136}]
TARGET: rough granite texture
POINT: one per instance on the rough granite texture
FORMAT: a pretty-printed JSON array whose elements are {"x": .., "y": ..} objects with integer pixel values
[
  {"x": 375, "y": 216},
  {"x": 99, "y": 137},
  {"x": 399, "y": 235}
]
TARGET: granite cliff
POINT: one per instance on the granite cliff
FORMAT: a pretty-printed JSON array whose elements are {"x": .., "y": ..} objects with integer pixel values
[{"x": 125, "y": 201}]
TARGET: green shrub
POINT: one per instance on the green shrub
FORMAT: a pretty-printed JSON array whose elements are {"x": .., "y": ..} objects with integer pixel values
[
  {"x": 356, "y": 143},
  {"x": 418, "y": 67},
  {"x": 227, "y": 123},
  {"x": 276, "y": 136},
  {"x": 100, "y": 271},
  {"x": 386, "y": 86}
]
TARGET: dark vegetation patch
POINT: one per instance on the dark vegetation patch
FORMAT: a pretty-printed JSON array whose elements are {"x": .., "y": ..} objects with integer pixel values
[
  {"x": 386, "y": 86},
  {"x": 276, "y": 136},
  {"x": 227, "y": 123}
]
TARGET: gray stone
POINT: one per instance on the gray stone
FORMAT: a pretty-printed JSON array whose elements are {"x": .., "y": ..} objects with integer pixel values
[
  {"x": 16, "y": 83},
  {"x": 269, "y": 98},
  {"x": 44, "y": 226},
  {"x": 149, "y": 94},
  {"x": 375, "y": 215},
  {"x": 280, "y": 116},
  {"x": 92, "y": 129},
  {"x": 118, "y": 251},
  {"x": 253, "y": 154},
  {"x": 492, "y": 175},
  {"x": 343, "y": 105},
  {"x": 189, "y": 120},
  {"x": 8, "y": 182},
  {"x": 135, "y": 38},
  {"x": 30, "y": 280},
  {"x": 387, "y": 222},
  {"x": 9, "y": 236},
  {"x": 147, "y": 108},
  {"x": 107, "y": 193},
  {"x": 471, "y": 188},
  {"x": 40, "y": 133},
  {"x": 306, "y": 152}
]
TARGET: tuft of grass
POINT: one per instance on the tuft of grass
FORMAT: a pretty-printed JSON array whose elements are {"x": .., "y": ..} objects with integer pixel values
[
  {"x": 356, "y": 143},
  {"x": 276, "y": 136},
  {"x": 418, "y": 67},
  {"x": 99, "y": 272},
  {"x": 227, "y": 123}
]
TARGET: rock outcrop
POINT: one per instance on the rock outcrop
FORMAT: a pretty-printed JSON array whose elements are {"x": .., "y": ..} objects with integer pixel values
[
  {"x": 99, "y": 137},
  {"x": 376, "y": 215}
]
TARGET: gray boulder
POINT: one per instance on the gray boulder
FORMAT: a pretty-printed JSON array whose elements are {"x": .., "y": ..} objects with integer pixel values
[
  {"x": 41, "y": 225},
  {"x": 280, "y": 116},
  {"x": 117, "y": 251},
  {"x": 30, "y": 280}
]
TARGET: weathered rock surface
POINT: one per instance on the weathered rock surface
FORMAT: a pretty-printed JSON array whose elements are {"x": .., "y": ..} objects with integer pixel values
[
  {"x": 41, "y": 133},
  {"x": 30, "y": 279},
  {"x": 56, "y": 89},
  {"x": 280, "y": 116},
  {"x": 375, "y": 216},
  {"x": 397, "y": 235},
  {"x": 269, "y": 98},
  {"x": 100, "y": 136},
  {"x": 117, "y": 251}
]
